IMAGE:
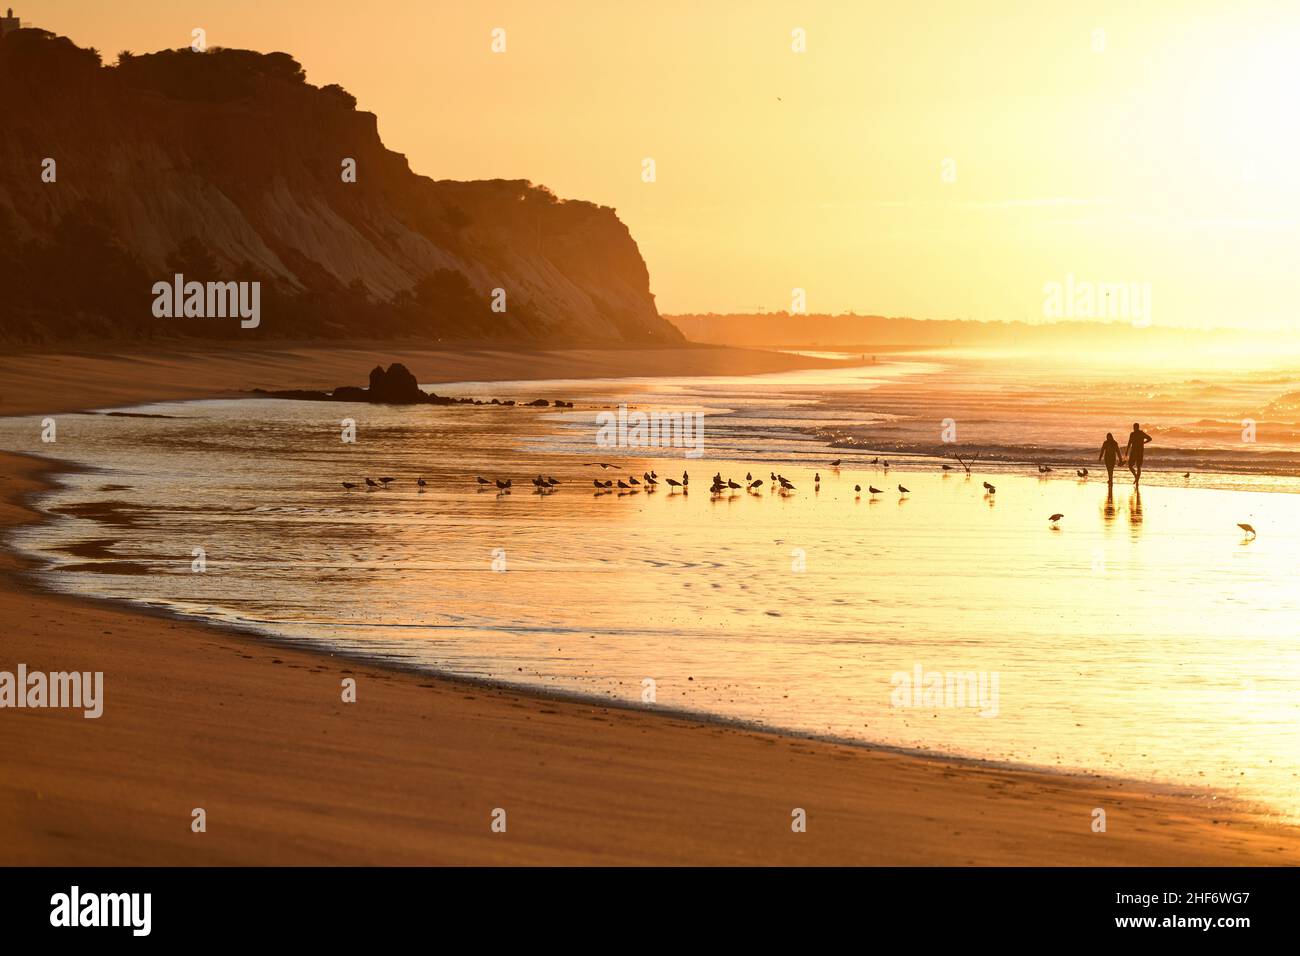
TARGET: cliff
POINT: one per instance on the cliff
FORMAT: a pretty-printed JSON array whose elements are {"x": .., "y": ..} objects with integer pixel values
[{"x": 228, "y": 166}]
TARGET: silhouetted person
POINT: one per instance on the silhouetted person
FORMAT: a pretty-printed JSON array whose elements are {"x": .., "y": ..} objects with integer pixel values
[
  {"x": 1110, "y": 455},
  {"x": 1137, "y": 443}
]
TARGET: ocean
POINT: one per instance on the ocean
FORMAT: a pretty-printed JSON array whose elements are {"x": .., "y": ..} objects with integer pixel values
[{"x": 1141, "y": 635}]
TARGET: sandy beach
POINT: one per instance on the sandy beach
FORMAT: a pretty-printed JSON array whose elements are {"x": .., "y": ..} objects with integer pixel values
[
  {"x": 40, "y": 383},
  {"x": 256, "y": 734}
]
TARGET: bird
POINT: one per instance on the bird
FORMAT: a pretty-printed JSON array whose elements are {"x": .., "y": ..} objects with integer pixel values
[
  {"x": 503, "y": 485},
  {"x": 596, "y": 482},
  {"x": 874, "y": 490},
  {"x": 539, "y": 482},
  {"x": 420, "y": 482},
  {"x": 481, "y": 480},
  {"x": 592, "y": 464},
  {"x": 748, "y": 476},
  {"x": 1082, "y": 472},
  {"x": 632, "y": 480},
  {"x": 732, "y": 485},
  {"x": 857, "y": 489},
  {"x": 673, "y": 483},
  {"x": 551, "y": 481},
  {"x": 902, "y": 490},
  {"x": 1056, "y": 517},
  {"x": 817, "y": 479},
  {"x": 348, "y": 485},
  {"x": 1187, "y": 474},
  {"x": 623, "y": 484},
  {"x": 756, "y": 483},
  {"x": 1044, "y": 469},
  {"x": 836, "y": 462},
  {"x": 947, "y": 467},
  {"x": 990, "y": 489},
  {"x": 387, "y": 481},
  {"x": 371, "y": 483},
  {"x": 1246, "y": 528},
  {"x": 686, "y": 479}
]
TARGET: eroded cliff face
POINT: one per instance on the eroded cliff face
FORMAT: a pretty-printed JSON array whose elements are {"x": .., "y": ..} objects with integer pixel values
[{"x": 228, "y": 162}]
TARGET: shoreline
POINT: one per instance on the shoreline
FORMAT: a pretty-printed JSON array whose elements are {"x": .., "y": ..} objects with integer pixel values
[
  {"x": 645, "y": 787},
  {"x": 44, "y": 381}
]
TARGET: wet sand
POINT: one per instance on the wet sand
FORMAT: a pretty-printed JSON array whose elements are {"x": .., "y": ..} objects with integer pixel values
[
  {"x": 45, "y": 384},
  {"x": 257, "y": 735}
]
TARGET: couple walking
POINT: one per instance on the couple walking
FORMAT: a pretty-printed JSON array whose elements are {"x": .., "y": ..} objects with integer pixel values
[{"x": 1133, "y": 451}]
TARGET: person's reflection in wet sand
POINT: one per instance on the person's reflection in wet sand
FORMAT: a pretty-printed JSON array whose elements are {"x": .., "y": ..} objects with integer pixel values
[
  {"x": 1135, "y": 510},
  {"x": 1108, "y": 512}
]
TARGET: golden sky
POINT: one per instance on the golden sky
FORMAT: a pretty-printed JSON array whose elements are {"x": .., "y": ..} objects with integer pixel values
[{"x": 1163, "y": 150}]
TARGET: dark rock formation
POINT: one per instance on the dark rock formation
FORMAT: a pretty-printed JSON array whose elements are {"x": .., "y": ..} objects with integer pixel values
[{"x": 225, "y": 166}]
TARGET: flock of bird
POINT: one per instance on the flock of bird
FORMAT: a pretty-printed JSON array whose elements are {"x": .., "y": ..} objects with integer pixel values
[{"x": 650, "y": 480}]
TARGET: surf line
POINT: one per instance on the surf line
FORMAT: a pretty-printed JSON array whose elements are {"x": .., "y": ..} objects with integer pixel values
[{"x": 81, "y": 690}]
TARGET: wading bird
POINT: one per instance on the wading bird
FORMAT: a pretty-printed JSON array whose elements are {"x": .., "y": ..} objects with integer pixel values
[
  {"x": 902, "y": 490},
  {"x": 1055, "y": 518},
  {"x": 348, "y": 485},
  {"x": 1246, "y": 528}
]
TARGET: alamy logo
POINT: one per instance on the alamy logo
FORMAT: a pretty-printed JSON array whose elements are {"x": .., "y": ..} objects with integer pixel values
[
  {"x": 934, "y": 690},
  {"x": 209, "y": 300},
  {"x": 636, "y": 429},
  {"x": 103, "y": 909},
  {"x": 1082, "y": 299},
  {"x": 79, "y": 690}
]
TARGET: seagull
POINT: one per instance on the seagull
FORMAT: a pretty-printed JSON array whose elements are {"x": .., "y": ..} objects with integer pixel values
[
  {"x": 1246, "y": 528},
  {"x": 1055, "y": 518},
  {"x": 902, "y": 489},
  {"x": 348, "y": 485}
]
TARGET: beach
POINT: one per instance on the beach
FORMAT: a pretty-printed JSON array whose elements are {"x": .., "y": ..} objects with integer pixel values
[{"x": 256, "y": 733}]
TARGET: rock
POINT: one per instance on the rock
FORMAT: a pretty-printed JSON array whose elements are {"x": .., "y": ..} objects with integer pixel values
[
  {"x": 397, "y": 386},
  {"x": 537, "y": 403}
]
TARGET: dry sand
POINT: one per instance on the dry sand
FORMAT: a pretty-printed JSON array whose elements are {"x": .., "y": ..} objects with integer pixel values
[
  {"x": 257, "y": 734},
  {"x": 41, "y": 384}
]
